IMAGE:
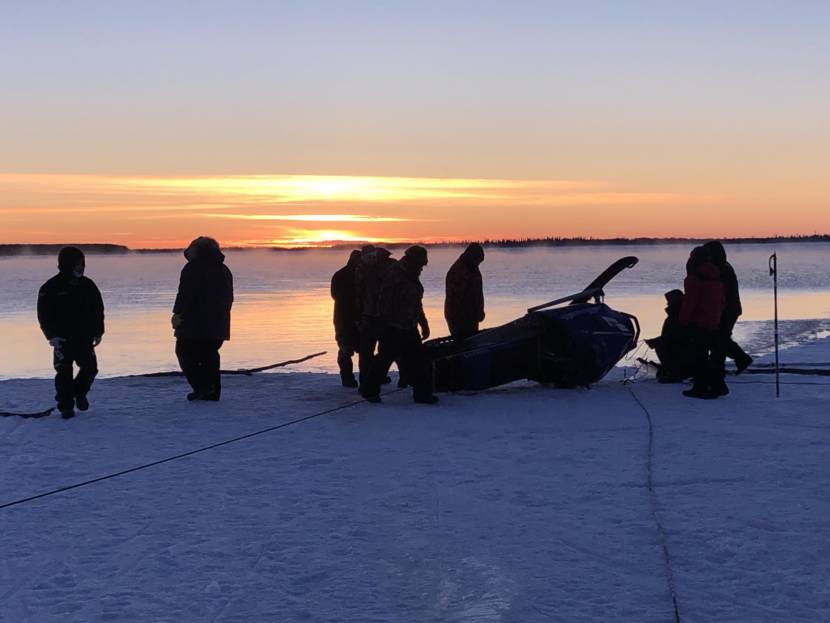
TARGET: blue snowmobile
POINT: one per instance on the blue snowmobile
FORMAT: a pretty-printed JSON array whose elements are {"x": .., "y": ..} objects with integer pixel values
[{"x": 569, "y": 342}]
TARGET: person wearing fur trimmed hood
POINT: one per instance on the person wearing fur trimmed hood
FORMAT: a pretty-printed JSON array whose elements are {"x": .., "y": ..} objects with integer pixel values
[
  {"x": 202, "y": 317},
  {"x": 703, "y": 303},
  {"x": 70, "y": 311}
]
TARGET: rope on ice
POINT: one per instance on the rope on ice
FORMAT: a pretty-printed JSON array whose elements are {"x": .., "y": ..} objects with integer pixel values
[
  {"x": 176, "y": 457},
  {"x": 652, "y": 495}
]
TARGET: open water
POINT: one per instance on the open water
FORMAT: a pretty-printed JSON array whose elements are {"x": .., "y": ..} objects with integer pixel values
[{"x": 283, "y": 308}]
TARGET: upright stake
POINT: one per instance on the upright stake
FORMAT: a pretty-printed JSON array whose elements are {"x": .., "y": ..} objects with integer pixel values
[{"x": 773, "y": 271}]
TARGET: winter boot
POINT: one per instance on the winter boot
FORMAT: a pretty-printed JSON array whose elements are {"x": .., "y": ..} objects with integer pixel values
[
  {"x": 425, "y": 399},
  {"x": 82, "y": 403},
  {"x": 742, "y": 363}
]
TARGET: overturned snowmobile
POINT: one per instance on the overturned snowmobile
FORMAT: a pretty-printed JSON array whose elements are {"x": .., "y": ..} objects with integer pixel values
[{"x": 569, "y": 346}]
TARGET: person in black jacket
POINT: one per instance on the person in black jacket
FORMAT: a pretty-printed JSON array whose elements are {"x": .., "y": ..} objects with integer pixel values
[
  {"x": 202, "y": 317},
  {"x": 70, "y": 311},
  {"x": 464, "y": 301},
  {"x": 731, "y": 311},
  {"x": 346, "y": 316}
]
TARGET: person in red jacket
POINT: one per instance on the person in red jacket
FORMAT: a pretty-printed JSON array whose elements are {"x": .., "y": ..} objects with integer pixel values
[{"x": 703, "y": 303}]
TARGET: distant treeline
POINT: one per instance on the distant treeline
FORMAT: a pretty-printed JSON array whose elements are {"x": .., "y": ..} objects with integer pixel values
[
  {"x": 575, "y": 242},
  {"x": 52, "y": 249},
  {"x": 508, "y": 243},
  {"x": 503, "y": 243}
]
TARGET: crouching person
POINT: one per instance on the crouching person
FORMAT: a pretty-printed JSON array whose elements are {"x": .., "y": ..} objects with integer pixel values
[
  {"x": 70, "y": 311},
  {"x": 402, "y": 313},
  {"x": 673, "y": 347},
  {"x": 202, "y": 317}
]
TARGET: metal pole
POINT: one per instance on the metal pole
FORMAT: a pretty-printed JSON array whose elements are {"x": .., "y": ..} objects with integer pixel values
[{"x": 773, "y": 271}]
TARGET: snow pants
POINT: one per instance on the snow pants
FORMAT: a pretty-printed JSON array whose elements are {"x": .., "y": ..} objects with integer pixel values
[
  {"x": 370, "y": 332},
  {"x": 727, "y": 346},
  {"x": 462, "y": 330},
  {"x": 708, "y": 359},
  {"x": 199, "y": 360},
  {"x": 348, "y": 343},
  {"x": 81, "y": 352},
  {"x": 406, "y": 348}
]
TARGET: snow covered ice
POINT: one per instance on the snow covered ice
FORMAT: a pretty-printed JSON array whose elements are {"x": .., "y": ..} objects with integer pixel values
[{"x": 524, "y": 503}]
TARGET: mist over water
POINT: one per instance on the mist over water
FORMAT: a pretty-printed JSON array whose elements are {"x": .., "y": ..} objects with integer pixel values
[{"x": 283, "y": 309}]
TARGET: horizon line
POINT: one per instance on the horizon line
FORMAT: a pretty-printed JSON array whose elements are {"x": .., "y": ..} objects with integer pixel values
[{"x": 106, "y": 247}]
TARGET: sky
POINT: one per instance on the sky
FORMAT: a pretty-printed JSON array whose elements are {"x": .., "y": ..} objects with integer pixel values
[{"x": 293, "y": 123}]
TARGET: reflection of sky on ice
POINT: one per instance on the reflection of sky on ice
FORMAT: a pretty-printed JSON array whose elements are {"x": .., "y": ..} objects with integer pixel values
[{"x": 283, "y": 309}]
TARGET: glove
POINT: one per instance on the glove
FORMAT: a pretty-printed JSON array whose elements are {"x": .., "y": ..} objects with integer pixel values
[
  {"x": 177, "y": 320},
  {"x": 97, "y": 340},
  {"x": 56, "y": 342}
]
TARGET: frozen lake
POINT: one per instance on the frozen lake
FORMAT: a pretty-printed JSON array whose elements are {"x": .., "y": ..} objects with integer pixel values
[{"x": 283, "y": 308}]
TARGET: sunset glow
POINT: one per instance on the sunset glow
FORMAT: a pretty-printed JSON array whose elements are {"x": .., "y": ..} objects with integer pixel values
[
  {"x": 461, "y": 121},
  {"x": 267, "y": 210}
]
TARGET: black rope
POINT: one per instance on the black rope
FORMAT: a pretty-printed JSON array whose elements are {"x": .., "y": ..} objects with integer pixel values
[
  {"x": 213, "y": 446},
  {"x": 654, "y": 512}
]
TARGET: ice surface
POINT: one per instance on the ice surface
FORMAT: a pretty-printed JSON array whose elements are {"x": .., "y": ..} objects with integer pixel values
[{"x": 524, "y": 503}]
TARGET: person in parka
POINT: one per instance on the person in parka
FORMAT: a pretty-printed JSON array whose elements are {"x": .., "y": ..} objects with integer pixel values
[
  {"x": 202, "y": 317},
  {"x": 346, "y": 316},
  {"x": 70, "y": 311},
  {"x": 464, "y": 301},
  {"x": 673, "y": 346},
  {"x": 731, "y": 311},
  {"x": 402, "y": 313},
  {"x": 374, "y": 262},
  {"x": 703, "y": 303}
]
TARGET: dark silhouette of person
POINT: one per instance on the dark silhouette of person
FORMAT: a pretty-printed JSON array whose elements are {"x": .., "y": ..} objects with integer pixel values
[
  {"x": 374, "y": 262},
  {"x": 70, "y": 311},
  {"x": 402, "y": 313},
  {"x": 703, "y": 303},
  {"x": 346, "y": 318},
  {"x": 732, "y": 309},
  {"x": 673, "y": 347},
  {"x": 464, "y": 301},
  {"x": 202, "y": 317}
]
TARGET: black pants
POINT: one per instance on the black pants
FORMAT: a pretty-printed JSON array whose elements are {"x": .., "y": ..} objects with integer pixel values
[
  {"x": 405, "y": 347},
  {"x": 462, "y": 330},
  {"x": 199, "y": 360},
  {"x": 348, "y": 343},
  {"x": 708, "y": 356},
  {"x": 728, "y": 347},
  {"x": 81, "y": 352},
  {"x": 370, "y": 333}
]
